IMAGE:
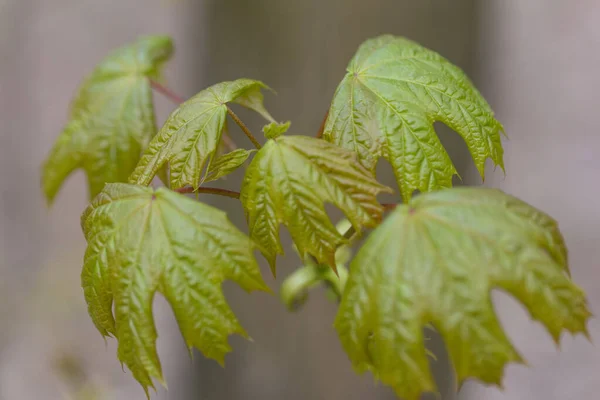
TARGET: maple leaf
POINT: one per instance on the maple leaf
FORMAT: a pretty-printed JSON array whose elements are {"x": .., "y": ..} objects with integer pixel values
[
  {"x": 191, "y": 136},
  {"x": 142, "y": 241},
  {"x": 225, "y": 164},
  {"x": 435, "y": 261},
  {"x": 111, "y": 120},
  {"x": 288, "y": 182},
  {"x": 385, "y": 106}
]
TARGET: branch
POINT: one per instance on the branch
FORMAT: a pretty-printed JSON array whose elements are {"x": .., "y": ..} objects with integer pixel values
[
  {"x": 177, "y": 99},
  {"x": 243, "y": 127},
  {"x": 165, "y": 91},
  {"x": 322, "y": 128},
  {"x": 209, "y": 190}
]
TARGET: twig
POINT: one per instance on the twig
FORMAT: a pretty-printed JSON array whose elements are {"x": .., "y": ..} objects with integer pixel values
[
  {"x": 175, "y": 98},
  {"x": 322, "y": 128},
  {"x": 243, "y": 127},
  {"x": 168, "y": 93},
  {"x": 209, "y": 190}
]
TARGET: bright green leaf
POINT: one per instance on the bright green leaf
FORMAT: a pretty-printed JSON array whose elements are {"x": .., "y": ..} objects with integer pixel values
[
  {"x": 288, "y": 182},
  {"x": 385, "y": 106},
  {"x": 274, "y": 130},
  {"x": 111, "y": 120},
  {"x": 226, "y": 164},
  {"x": 190, "y": 138},
  {"x": 436, "y": 260},
  {"x": 142, "y": 241}
]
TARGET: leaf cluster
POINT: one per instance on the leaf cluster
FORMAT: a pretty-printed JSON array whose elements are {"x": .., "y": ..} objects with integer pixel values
[{"x": 429, "y": 261}]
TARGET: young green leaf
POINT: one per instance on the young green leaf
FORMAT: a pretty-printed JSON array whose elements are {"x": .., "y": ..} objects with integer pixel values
[
  {"x": 385, "y": 106},
  {"x": 190, "y": 137},
  {"x": 436, "y": 260},
  {"x": 296, "y": 286},
  {"x": 288, "y": 182},
  {"x": 111, "y": 119},
  {"x": 274, "y": 129},
  {"x": 226, "y": 164},
  {"x": 141, "y": 241}
]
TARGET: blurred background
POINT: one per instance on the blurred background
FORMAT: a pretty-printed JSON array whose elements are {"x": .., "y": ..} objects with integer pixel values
[{"x": 536, "y": 62}]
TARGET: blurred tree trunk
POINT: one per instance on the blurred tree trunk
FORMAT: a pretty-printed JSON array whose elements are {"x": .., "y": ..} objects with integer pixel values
[
  {"x": 541, "y": 67},
  {"x": 301, "y": 49}
]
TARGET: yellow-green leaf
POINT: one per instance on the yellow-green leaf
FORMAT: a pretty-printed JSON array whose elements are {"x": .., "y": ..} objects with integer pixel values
[
  {"x": 288, "y": 182},
  {"x": 274, "y": 129},
  {"x": 436, "y": 261},
  {"x": 393, "y": 92},
  {"x": 227, "y": 163},
  {"x": 111, "y": 119},
  {"x": 190, "y": 138},
  {"x": 142, "y": 241},
  {"x": 296, "y": 286}
]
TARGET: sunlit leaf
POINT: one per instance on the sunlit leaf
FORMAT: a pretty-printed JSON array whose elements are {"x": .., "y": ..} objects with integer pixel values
[
  {"x": 289, "y": 181},
  {"x": 393, "y": 92},
  {"x": 142, "y": 241},
  {"x": 436, "y": 260},
  {"x": 190, "y": 138},
  {"x": 111, "y": 120}
]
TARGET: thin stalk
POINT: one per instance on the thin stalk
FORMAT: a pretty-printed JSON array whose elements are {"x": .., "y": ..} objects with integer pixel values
[
  {"x": 210, "y": 190},
  {"x": 177, "y": 99},
  {"x": 243, "y": 127},
  {"x": 165, "y": 91}
]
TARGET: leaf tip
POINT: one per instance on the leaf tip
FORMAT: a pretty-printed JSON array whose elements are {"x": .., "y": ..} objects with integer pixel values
[
  {"x": 272, "y": 260},
  {"x": 335, "y": 270},
  {"x": 266, "y": 288},
  {"x": 586, "y": 334}
]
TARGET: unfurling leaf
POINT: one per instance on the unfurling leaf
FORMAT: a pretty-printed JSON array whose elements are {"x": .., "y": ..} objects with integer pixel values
[
  {"x": 385, "y": 106},
  {"x": 274, "y": 130},
  {"x": 436, "y": 260},
  {"x": 111, "y": 120},
  {"x": 288, "y": 182},
  {"x": 226, "y": 164},
  {"x": 142, "y": 241},
  {"x": 296, "y": 286},
  {"x": 190, "y": 138}
]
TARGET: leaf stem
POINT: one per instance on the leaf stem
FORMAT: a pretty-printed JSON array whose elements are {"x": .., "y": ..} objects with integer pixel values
[
  {"x": 165, "y": 91},
  {"x": 322, "y": 128},
  {"x": 243, "y": 127},
  {"x": 209, "y": 190}
]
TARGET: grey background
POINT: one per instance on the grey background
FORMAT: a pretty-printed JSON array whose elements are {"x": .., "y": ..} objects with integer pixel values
[{"x": 535, "y": 61}]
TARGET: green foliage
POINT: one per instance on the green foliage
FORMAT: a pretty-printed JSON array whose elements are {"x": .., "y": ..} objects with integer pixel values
[
  {"x": 274, "y": 130},
  {"x": 190, "y": 138},
  {"x": 226, "y": 164},
  {"x": 295, "y": 288},
  {"x": 111, "y": 119},
  {"x": 436, "y": 260},
  {"x": 387, "y": 103},
  {"x": 141, "y": 241},
  {"x": 288, "y": 182},
  {"x": 432, "y": 262}
]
